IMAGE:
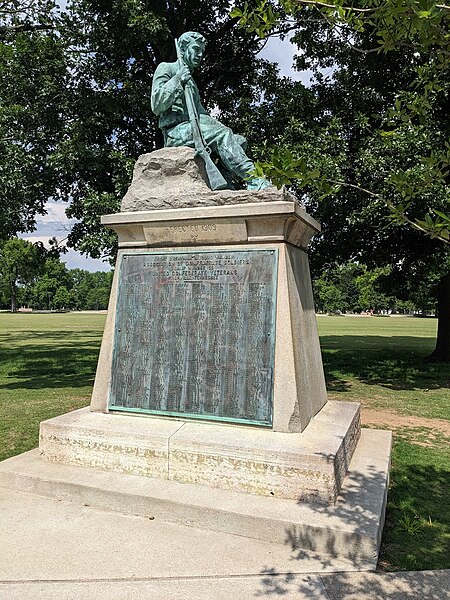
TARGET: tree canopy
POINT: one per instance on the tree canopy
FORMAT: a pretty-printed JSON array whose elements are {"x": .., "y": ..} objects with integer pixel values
[
  {"x": 20, "y": 264},
  {"x": 372, "y": 165},
  {"x": 34, "y": 277},
  {"x": 33, "y": 79},
  {"x": 58, "y": 288},
  {"x": 421, "y": 32},
  {"x": 75, "y": 100}
]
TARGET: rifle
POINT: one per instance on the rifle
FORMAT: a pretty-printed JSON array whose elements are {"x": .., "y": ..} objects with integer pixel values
[{"x": 215, "y": 177}]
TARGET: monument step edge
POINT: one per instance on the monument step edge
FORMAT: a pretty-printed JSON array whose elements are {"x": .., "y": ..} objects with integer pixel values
[{"x": 349, "y": 530}]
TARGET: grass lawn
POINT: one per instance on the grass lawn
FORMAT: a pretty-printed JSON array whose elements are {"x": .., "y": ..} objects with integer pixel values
[
  {"x": 47, "y": 367},
  {"x": 379, "y": 362}
]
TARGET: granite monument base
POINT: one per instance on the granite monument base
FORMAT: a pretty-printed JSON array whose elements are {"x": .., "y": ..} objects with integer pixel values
[
  {"x": 296, "y": 536},
  {"x": 209, "y": 404},
  {"x": 306, "y": 467},
  {"x": 210, "y": 369}
]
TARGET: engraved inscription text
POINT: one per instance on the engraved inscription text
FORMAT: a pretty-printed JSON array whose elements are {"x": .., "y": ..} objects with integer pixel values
[{"x": 195, "y": 334}]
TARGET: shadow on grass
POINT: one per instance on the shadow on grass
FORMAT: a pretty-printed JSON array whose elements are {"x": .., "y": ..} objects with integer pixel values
[
  {"x": 67, "y": 359},
  {"x": 396, "y": 363},
  {"x": 417, "y": 532},
  {"x": 418, "y": 489}
]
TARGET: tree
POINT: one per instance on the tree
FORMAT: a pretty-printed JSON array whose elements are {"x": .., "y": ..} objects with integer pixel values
[
  {"x": 33, "y": 81},
  {"x": 382, "y": 141},
  {"x": 113, "y": 49},
  {"x": 90, "y": 291},
  {"x": 422, "y": 29},
  {"x": 20, "y": 263},
  {"x": 62, "y": 298},
  {"x": 329, "y": 297},
  {"x": 75, "y": 100},
  {"x": 22, "y": 15},
  {"x": 352, "y": 287},
  {"x": 54, "y": 276},
  {"x": 57, "y": 287}
]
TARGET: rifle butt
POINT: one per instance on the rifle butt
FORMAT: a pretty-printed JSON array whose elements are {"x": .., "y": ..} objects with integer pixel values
[{"x": 216, "y": 180}]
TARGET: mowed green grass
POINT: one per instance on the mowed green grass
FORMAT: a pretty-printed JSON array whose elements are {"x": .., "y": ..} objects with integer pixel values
[
  {"x": 47, "y": 368},
  {"x": 380, "y": 362},
  {"x": 48, "y": 362}
]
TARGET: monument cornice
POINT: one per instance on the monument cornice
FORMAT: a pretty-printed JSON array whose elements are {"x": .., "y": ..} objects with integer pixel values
[{"x": 259, "y": 222}]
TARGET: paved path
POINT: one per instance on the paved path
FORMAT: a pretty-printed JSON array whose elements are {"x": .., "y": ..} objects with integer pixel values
[{"x": 57, "y": 550}]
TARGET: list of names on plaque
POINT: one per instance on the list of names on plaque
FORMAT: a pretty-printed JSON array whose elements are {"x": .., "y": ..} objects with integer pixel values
[{"x": 195, "y": 334}]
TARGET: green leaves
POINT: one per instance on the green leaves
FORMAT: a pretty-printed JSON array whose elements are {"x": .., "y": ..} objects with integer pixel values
[
  {"x": 259, "y": 19},
  {"x": 75, "y": 100},
  {"x": 438, "y": 227},
  {"x": 20, "y": 264},
  {"x": 286, "y": 169},
  {"x": 413, "y": 191},
  {"x": 33, "y": 84}
]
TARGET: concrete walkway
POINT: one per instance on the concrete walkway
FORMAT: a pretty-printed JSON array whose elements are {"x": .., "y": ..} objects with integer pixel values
[{"x": 51, "y": 549}]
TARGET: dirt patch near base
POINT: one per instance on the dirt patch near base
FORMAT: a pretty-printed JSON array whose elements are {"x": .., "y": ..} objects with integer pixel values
[{"x": 392, "y": 420}]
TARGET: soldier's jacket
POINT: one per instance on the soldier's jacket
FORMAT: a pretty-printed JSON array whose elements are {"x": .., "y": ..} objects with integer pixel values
[{"x": 168, "y": 100}]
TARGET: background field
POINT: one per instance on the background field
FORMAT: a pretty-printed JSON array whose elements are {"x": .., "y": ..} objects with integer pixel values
[
  {"x": 379, "y": 361},
  {"x": 47, "y": 367}
]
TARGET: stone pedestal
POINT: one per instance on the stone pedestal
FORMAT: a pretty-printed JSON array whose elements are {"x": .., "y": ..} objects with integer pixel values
[
  {"x": 281, "y": 227},
  {"x": 305, "y": 467},
  {"x": 210, "y": 353},
  {"x": 209, "y": 406}
]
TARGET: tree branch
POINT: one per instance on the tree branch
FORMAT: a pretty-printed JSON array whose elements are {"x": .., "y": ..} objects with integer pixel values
[
  {"x": 25, "y": 27},
  {"x": 350, "y": 8},
  {"x": 355, "y": 9},
  {"x": 390, "y": 205}
]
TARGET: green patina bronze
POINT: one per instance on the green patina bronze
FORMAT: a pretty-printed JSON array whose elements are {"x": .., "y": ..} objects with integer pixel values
[
  {"x": 185, "y": 122},
  {"x": 195, "y": 335}
]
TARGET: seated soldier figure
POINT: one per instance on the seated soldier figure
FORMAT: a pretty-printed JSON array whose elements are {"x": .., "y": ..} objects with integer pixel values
[{"x": 168, "y": 102}]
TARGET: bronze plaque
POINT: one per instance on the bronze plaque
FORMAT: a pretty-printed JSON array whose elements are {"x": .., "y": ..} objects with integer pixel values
[{"x": 195, "y": 335}]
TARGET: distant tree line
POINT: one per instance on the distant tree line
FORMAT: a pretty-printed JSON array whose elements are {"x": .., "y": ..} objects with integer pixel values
[
  {"x": 33, "y": 277},
  {"x": 354, "y": 288}
]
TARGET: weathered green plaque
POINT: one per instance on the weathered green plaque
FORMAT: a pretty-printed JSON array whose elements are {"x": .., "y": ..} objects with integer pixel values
[{"x": 195, "y": 334}]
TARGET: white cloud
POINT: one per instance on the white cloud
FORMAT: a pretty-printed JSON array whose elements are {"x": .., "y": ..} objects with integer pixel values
[
  {"x": 282, "y": 52},
  {"x": 55, "y": 224},
  {"x": 56, "y": 214},
  {"x": 37, "y": 238},
  {"x": 76, "y": 260},
  {"x": 72, "y": 259}
]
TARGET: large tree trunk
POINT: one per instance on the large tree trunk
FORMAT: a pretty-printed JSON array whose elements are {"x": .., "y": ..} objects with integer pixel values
[
  {"x": 13, "y": 298},
  {"x": 442, "y": 351}
]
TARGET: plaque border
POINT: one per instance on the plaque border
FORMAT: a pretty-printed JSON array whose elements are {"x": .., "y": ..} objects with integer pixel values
[{"x": 193, "y": 416}]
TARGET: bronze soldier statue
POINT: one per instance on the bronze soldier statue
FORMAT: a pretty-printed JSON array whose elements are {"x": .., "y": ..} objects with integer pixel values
[{"x": 185, "y": 122}]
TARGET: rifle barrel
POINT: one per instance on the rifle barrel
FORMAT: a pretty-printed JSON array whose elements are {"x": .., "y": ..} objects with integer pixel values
[{"x": 215, "y": 177}]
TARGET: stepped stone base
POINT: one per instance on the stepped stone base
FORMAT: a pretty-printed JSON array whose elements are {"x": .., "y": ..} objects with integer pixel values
[
  {"x": 307, "y": 466},
  {"x": 348, "y": 531}
]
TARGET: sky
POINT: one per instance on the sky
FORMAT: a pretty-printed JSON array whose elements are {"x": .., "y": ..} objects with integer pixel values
[
  {"x": 282, "y": 52},
  {"x": 56, "y": 224}
]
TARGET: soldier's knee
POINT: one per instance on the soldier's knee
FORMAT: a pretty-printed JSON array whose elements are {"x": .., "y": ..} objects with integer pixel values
[{"x": 225, "y": 134}]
